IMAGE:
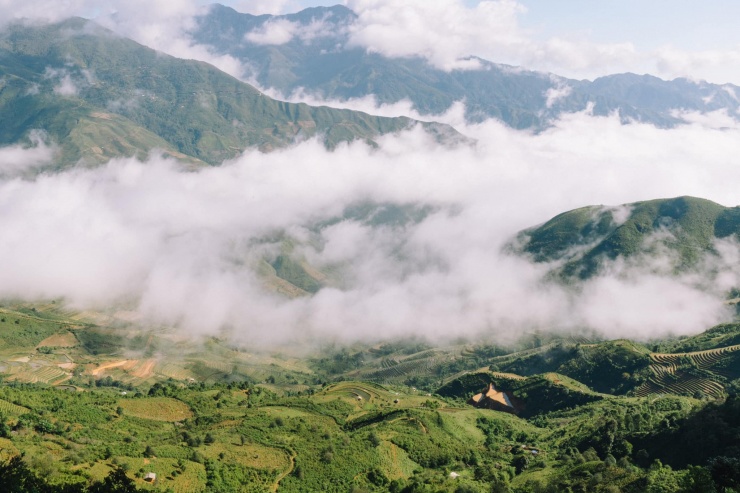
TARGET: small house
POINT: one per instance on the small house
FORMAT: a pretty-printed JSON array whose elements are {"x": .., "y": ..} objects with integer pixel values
[{"x": 150, "y": 477}]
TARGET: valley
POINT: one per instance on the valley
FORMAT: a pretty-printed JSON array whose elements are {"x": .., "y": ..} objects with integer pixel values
[
  {"x": 86, "y": 394},
  {"x": 341, "y": 251}
]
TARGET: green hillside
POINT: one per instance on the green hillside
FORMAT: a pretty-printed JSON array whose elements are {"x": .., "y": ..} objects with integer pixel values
[
  {"x": 100, "y": 95},
  {"x": 717, "y": 337},
  {"x": 586, "y": 237},
  {"x": 93, "y": 398}
]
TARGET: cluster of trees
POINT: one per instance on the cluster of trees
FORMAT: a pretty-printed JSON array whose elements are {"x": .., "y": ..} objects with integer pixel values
[{"x": 17, "y": 477}]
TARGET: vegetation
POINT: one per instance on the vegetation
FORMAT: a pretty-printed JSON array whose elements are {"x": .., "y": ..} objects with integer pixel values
[
  {"x": 587, "y": 415},
  {"x": 516, "y": 97},
  {"x": 101, "y": 96},
  {"x": 585, "y": 237}
]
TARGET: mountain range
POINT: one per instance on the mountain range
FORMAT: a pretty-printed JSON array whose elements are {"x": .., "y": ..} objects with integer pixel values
[
  {"x": 319, "y": 60},
  {"x": 99, "y": 96}
]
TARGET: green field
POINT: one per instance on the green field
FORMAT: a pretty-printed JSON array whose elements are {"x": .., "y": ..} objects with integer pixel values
[{"x": 216, "y": 417}]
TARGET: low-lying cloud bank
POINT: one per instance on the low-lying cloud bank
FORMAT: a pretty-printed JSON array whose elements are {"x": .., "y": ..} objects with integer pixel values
[{"x": 181, "y": 247}]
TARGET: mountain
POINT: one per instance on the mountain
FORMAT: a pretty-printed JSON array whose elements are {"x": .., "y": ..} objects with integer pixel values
[
  {"x": 318, "y": 60},
  {"x": 682, "y": 229},
  {"x": 99, "y": 96}
]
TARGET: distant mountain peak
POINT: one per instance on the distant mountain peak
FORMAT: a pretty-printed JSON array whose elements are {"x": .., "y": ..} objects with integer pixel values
[{"x": 330, "y": 68}]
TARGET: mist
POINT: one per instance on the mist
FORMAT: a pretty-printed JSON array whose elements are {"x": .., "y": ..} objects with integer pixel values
[{"x": 182, "y": 248}]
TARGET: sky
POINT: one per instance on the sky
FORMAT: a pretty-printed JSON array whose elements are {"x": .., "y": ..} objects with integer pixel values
[
  {"x": 183, "y": 248},
  {"x": 682, "y": 23}
]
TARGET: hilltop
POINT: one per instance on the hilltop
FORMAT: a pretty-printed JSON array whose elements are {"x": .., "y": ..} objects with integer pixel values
[{"x": 680, "y": 230}]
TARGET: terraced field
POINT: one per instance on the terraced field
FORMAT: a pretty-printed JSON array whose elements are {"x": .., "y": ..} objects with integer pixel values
[
  {"x": 52, "y": 375},
  {"x": 668, "y": 377},
  {"x": 391, "y": 370},
  {"x": 12, "y": 409},
  {"x": 175, "y": 371},
  {"x": 157, "y": 409},
  {"x": 65, "y": 339},
  {"x": 510, "y": 376},
  {"x": 355, "y": 390}
]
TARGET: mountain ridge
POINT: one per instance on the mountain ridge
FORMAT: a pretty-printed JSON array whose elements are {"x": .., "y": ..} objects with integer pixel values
[
  {"x": 65, "y": 74},
  {"x": 584, "y": 238},
  {"x": 519, "y": 97}
]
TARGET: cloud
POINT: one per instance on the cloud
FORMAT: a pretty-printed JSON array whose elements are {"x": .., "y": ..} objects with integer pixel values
[
  {"x": 183, "y": 247},
  {"x": 445, "y": 32},
  {"x": 262, "y": 7},
  {"x": 714, "y": 65},
  {"x": 454, "y": 115},
  {"x": 448, "y": 32},
  {"x": 282, "y": 31},
  {"x": 64, "y": 86},
  {"x": 559, "y": 91},
  {"x": 278, "y": 32},
  {"x": 17, "y": 159},
  {"x": 158, "y": 24}
]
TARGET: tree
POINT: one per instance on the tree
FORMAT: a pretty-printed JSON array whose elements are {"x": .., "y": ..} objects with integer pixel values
[
  {"x": 520, "y": 462},
  {"x": 374, "y": 439},
  {"x": 726, "y": 472},
  {"x": 115, "y": 482},
  {"x": 327, "y": 456},
  {"x": 662, "y": 479},
  {"x": 4, "y": 428},
  {"x": 17, "y": 478},
  {"x": 697, "y": 480}
]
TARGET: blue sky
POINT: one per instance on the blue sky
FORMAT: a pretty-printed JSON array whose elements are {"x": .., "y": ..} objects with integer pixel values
[{"x": 648, "y": 24}]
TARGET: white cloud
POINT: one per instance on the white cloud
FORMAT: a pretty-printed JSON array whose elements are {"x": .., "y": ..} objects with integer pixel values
[
  {"x": 282, "y": 31},
  {"x": 445, "y": 32},
  {"x": 65, "y": 84},
  {"x": 262, "y": 7},
  {"x": 17, "y": 159},
  {"x": 158, "y": 24},
  {"x": 66, "y": 87},
  {"x": 715, "y": 119},
  {"x": 448, "y": 32},
  {"x": 181, "y": 247},
  {"x": 559, "y": 91},
  {"x": 716, "y": 66},
  {"x": 277, "y": 32},
  {"x": 454, "y": 115}
]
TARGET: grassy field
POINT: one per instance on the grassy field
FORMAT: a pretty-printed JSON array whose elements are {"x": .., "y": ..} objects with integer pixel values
[{"x": 156, "y": 408}]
